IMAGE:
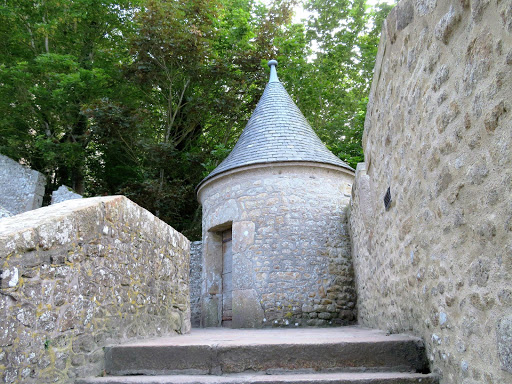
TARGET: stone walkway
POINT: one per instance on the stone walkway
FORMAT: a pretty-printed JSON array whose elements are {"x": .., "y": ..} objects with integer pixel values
[
  {"x": 300, "y": 355},
  {"x": 274, "y": 336}
]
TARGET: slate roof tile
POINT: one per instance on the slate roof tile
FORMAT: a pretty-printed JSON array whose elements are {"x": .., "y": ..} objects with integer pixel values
[{"x": 277, "y": 131}]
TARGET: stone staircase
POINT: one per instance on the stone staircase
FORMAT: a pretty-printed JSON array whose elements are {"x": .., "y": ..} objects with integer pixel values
[{"x": 346, "y": 355}]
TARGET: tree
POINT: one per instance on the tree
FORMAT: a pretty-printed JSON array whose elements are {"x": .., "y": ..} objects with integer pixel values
[
  {"x": 56, "y": 58},
  {"x": 248, "y": 36},
  {"x": 200, "y": 76},
  {"x": 146, "y": 97},
  {"x": 332, "y": 86}
]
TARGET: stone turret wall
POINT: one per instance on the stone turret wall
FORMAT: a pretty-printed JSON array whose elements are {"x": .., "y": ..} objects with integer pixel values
[
  {"x": 21, "y": 188},
  {"x": 291, "y": 248},
  {"x": 438, "y": 133},
  {"x": 82, "y": 274}
]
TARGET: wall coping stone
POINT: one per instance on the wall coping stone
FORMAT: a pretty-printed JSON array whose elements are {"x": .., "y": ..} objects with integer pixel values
[{"x": 269, "y": 166}]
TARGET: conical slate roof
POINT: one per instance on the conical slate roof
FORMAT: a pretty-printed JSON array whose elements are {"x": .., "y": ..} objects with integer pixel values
[{"x": 276, "y": 132}]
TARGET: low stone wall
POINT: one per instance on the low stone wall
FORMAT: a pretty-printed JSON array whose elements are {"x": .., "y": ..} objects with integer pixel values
[
  {"x": 438, "y": 133},
  {"x": 196, "y": 270},
  {"x": 21, "y": 188},
  {"x": 82, "y": 274}
]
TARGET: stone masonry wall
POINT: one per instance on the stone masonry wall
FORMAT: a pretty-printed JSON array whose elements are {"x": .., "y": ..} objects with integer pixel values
[
  {"x": 21, "y": 188},
  {"x": 291, "y": 247},
  {"x": 196, "y": 269},
  {"x": 82, "y": 274},
  {"x": 438, "y": 133}
]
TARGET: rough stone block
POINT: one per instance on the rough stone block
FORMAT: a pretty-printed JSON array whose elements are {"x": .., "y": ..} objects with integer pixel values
[
  {"x": 504, "y": 342},
  {"x": 21, "y": 188},
  {"x": 210, "y": 310},
  {"x": 243, "y": 271},
  {"x": 364, "y": 194},
  {"x": 4, "y": 212},
  {"x": 247, "y": 310},
  {"x": 424, "y": 7},
  {"x": 404, "y": 14},
  {"x": 447, "y": 24},
  {"x": 64, "y": 193},
  {"x": 390, "y": 26},
  {"x": 243, "y": 235},
  {"x": 196, "y": 268}
]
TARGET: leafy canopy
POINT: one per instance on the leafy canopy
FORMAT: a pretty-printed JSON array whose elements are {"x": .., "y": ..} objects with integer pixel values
[{"x": 146, "y": 97}]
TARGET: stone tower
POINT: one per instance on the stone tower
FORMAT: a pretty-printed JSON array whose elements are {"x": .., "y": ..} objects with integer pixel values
[{"x": 276, "y": 249}]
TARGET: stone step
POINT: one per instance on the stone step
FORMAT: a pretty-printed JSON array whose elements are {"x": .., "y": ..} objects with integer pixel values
[
  {"x": 318, "y": 378},
  {"x": 218, "y": 351}
]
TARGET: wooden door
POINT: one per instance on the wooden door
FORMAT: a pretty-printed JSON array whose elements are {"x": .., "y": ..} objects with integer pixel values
[{"x": 227, "y": 287}]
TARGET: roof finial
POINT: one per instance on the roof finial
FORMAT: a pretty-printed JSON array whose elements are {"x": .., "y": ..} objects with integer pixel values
[{"x": 273, "y": 72}]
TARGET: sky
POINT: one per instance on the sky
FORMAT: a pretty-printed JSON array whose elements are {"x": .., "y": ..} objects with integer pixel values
[{"x": 301, "y": 14}]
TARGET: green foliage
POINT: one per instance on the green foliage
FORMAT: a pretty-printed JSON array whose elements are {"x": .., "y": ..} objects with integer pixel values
[
  {"x": 331, "y": 86},
  {"x": 217, "y": 154},
  {"x": 146, "y": 97},
  {"x": 56, "y": 58}
]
